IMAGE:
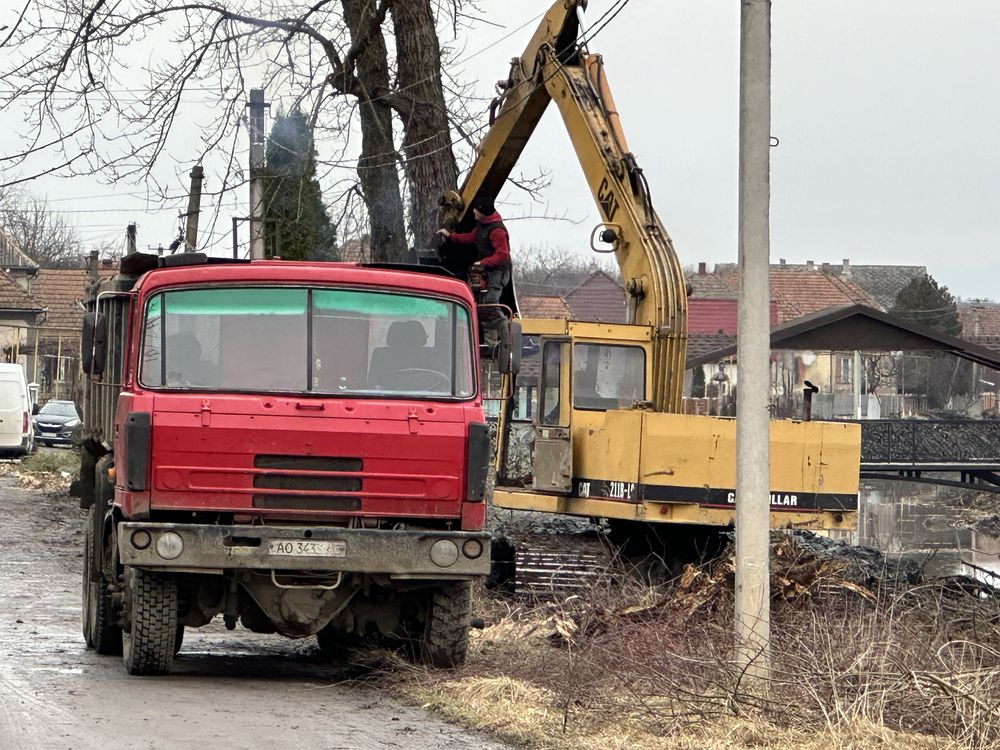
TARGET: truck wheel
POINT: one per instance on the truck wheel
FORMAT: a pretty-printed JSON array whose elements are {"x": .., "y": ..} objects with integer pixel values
[
  {"x": 446, "y": 631},
  {"x": 148, "y": 644},
  {"x": 87, "y": 600},
  {"x": 100, "y": 630}
]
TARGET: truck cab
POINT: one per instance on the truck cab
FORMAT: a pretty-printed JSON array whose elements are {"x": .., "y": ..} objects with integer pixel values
[{"x": 299, "y": 447}]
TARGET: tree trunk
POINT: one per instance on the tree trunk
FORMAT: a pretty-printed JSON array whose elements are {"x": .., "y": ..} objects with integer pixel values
[
  {"x": 377, "y": 165},
  {"x": 429, "y": 160}
]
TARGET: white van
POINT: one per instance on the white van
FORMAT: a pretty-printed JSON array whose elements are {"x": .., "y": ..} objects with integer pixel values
[{"x": 16, "y": 432}]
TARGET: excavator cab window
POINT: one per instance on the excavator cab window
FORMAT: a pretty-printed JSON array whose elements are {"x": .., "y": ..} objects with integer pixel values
[
  {"x": 608, "y": 376},
  {"x": 552, "y": 458},
  {"x": 553, "y": 408}
]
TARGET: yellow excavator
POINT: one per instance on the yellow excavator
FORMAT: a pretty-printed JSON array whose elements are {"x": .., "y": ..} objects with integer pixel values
[{"x": 593, "y": 427}]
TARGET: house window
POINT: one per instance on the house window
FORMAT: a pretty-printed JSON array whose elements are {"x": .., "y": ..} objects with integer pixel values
[{"x": 845, "y": 369}]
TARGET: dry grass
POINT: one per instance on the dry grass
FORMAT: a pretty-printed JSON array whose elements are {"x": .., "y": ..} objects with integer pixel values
[
  {"x": 883, "y": 665},
  {"x": 49, "y": 470}
]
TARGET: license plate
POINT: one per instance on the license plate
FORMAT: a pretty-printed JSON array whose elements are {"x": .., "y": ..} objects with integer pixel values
[{"x": 307, "y": 548}]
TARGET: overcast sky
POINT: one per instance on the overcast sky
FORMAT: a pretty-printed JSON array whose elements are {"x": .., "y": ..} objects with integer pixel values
[{"x": 886, "y": 113}]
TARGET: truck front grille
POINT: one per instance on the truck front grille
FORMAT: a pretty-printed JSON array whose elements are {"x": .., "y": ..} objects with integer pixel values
[
  {"x": 306, "y": 502},
  {"x": 307, "y": 463},
  {"x": 319, "y": 476}
]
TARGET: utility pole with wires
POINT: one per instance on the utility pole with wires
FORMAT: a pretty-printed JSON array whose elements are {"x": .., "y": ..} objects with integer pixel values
[
  {"x": 130, "y": 248},
  {"x": 194, "y": 209},
  {"x": 753, "y": 494},
  {"x": 257, "y": 106}
]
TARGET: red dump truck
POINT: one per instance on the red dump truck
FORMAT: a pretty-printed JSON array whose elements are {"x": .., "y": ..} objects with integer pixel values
[{"x": 298, "y": 447}]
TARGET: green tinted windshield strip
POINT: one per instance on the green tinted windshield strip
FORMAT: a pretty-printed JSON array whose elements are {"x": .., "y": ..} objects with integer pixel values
[
  {"x": 377, "y": 303},
  {"x": 239, "y": 301}
]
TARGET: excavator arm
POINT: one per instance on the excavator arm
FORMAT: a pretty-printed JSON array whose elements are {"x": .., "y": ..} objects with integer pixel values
[{"x": 557, "y": 66}]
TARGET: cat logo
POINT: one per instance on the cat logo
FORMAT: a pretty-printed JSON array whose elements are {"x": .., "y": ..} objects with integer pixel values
[{"x": 606, "y": 197}]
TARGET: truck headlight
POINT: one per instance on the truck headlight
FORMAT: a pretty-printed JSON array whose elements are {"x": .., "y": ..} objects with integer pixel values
[
  {"x": 444, "y": 553},
  {"x": 141, "y": 539},
  {"x": 169, "y": 545}
]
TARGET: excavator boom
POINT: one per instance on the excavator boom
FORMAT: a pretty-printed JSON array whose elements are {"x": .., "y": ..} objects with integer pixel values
[{"x": 555, "y": 66}]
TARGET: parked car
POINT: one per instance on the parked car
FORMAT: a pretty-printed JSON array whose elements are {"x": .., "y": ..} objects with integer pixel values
[
  {"x": 16, "y": 435},
  {"x": 55, "y": 422}
]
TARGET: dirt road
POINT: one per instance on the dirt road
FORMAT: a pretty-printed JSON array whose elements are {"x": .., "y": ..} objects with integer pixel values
[{"x": 233, "y": 690}]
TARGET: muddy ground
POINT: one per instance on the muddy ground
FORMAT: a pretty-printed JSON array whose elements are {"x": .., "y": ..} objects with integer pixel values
[{"x": 227, "y": 689}]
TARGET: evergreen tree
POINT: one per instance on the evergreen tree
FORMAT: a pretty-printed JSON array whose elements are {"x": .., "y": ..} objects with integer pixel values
[
  {"x": 698, "y": 383},
  {"x": 925, "y": 302},
  {"x": 300, "y": 228}
]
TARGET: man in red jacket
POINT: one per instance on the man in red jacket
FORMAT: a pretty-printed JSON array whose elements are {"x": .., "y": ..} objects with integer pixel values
[{"x": 493, "y": 259}]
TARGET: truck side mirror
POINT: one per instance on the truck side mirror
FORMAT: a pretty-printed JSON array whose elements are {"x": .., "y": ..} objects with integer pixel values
[
  {"x": 94, "y": 344},
  {"x": 35, "y": 408},
  {"x": 516, "y": 342}
]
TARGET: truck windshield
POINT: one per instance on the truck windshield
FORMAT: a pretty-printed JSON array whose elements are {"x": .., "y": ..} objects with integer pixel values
[{"x": 324, "y": 341}]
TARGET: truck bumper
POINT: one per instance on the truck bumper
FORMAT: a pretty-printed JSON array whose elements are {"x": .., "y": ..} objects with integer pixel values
[{"x": 210, "y": 548}]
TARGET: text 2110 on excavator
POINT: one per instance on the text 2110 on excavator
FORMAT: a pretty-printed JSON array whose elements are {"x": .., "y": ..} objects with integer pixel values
[{"x": 593, "y": 427}]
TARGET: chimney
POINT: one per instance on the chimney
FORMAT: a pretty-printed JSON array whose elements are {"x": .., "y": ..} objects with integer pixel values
[
  {"x": 826, "y": 268},
  {"x": 847, "y": 267},
  {"x": 702, "y": 269},
  {"x": 810, "y": 266},
  {"x": 781, "y": 261}
]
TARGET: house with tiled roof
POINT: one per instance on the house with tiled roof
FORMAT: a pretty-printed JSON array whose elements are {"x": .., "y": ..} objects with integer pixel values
[
  {"x": 981, "y": 322},
  {"x": 600, "y": 298},
  {"x": 703, "y": 284},
  {"x": 797, "y": 291},
  {"x": 543, "y": 306},
  {"x": 801, "y": 293},
  {"x": 14, "y": 262},
  {"x": 882, "y": 283},
  {"x": 19, "y": 315},
  {"x": 52, "y": 349}
]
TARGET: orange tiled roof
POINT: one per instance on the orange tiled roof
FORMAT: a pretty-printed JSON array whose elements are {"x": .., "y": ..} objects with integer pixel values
[
  {"x": 543, "y": 306},
  {"x": 599, "y": 298},
  {"x": 980, "y": 320},
  {"x": 61, "y": 291},
  {"x": 800, "y": 293},
  {"x": 13, "y": 297}
]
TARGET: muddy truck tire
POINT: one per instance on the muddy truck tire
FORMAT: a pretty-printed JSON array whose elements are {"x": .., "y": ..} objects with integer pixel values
[
  {"x": 149, "y": 641},
  {"x": 446, "y": 631},
  {"x": 86, "y": 601},
  {"x": 100, "y": 629}
]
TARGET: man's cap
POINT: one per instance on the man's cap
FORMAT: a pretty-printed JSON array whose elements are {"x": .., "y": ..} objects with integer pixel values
[{"x": 484, "y": 206}]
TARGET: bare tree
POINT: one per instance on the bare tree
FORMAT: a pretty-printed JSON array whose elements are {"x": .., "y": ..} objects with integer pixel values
[
  {"x": 555, "y": 270},
  {"x": 429, "y": 161},
  {"x": 37, "y": 231},
  {"x": 377, "y": 165},
  {"x": 73, "y": 66}
]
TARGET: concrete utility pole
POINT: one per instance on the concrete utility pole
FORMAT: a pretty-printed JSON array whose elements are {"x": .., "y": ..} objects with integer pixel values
[
  {"x": 130, "y": 239},
  {"x": 257, "y": 106},
  {"x": 194, "y": 209},
  {"x": 753, "y": 496},
  {"x": 856, "y": 377}
]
